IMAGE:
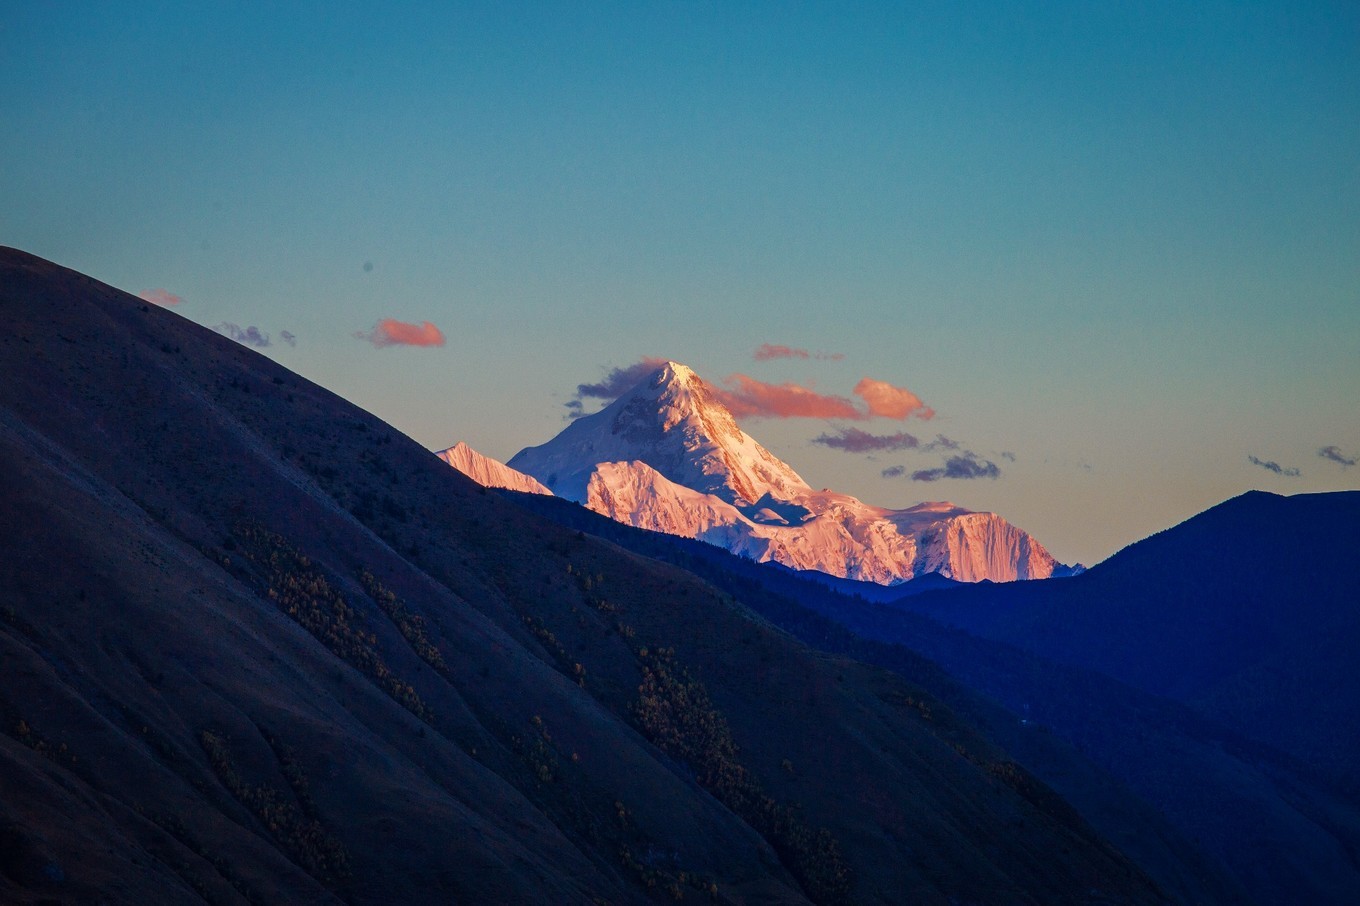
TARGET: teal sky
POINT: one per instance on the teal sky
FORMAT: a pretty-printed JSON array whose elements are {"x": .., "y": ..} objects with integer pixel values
[{"x": 1120, "y": 242}]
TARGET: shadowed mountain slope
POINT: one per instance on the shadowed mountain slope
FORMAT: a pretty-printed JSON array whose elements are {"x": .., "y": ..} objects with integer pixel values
[
  {"x": 1248, "y": 612},
  {"x": 259, "y": 647},
  {"x": 1239, "y": 820}
]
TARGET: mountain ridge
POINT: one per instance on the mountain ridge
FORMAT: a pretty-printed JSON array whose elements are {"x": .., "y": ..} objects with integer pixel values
[
  {"x": 667, "y": 455},
  {"x": 1238, "y": 611},
  {"x": 488, "y": 472}
]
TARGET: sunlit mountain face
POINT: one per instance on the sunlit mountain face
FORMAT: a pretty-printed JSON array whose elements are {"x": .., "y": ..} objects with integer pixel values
[{"x": 668, "y": 456}]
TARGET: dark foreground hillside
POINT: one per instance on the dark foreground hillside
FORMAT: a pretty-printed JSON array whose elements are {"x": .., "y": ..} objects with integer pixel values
[
  {"x": 1212, "y": 814},
  {"x": 259, "y": 647},
  {"x": 1248, "y": 612}
]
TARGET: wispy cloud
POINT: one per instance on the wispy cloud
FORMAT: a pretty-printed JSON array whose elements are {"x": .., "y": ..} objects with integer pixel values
[
  {"x": 391, "y": 332},
  {"x": 767, "y": 351},
  {"x": 619, "y": 380},
  {"x": 288, "y": 337},
  {"x": 1271, "y": 465},
  {"x": 1335, "y": 455},
  {"x": 161, "y": 297},
  {"x": 969, "y": 465},
  {"x": 854, "y": 440},
  {"x": 958, "y": 463},
  {"x": 615, "y": 384},
  {"x": 250, "y": 336}
]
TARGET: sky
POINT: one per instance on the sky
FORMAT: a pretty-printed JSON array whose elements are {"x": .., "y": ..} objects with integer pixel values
[{"x": 1112, "y": 249}]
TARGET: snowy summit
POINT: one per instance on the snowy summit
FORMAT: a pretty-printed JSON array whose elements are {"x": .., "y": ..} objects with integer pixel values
[{"x": 668, "y": 456}]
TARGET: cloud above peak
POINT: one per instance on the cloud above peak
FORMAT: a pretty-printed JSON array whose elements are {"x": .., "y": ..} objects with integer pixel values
[
  {"x": 391, "y": 332},
  {"x": 620, "y": 380},
  {"x": 766, "y": 352},
  {"x": 616, "y": 382}
]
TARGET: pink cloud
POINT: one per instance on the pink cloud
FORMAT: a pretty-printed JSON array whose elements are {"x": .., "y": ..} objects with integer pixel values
[
  {"x": 768, "y": 351},
  {"x": 391, "y": 332},
  {"x": 161, "y": 297},
  {"x": 745, "y": 396},
  {"x": 887, "y": 401}
]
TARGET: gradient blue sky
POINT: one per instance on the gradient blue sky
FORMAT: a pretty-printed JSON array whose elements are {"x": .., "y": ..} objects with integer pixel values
[{"x": 1120, "y": 241}]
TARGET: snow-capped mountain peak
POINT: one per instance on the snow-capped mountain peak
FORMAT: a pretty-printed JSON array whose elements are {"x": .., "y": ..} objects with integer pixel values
[
  {"x": 674, "y": 422},
  {"x": 668, "y": 456}
]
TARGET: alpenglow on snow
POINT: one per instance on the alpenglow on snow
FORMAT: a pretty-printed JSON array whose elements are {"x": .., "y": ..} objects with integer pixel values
[{"x": 668, "y": 456}]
